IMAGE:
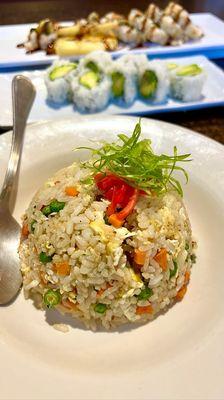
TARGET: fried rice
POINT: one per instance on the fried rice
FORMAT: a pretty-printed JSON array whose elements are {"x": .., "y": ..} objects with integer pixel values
[{"x": 89, "y": 263}]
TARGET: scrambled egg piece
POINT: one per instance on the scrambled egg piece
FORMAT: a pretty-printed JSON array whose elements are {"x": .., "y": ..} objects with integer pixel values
[{"x": 109, "y": 235}]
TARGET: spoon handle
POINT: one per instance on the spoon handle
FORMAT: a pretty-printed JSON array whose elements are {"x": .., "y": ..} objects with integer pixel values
[{"x": 23, "y": 94}]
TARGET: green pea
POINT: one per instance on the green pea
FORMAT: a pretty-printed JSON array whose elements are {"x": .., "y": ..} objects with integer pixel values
[
  {"x": 187, "y": 246},
  {"x": 100, "y": 308},
  {"x": 145, "y": 294},
  {"x": 46, "y": 210},
  {"x": 56, "y": 205},
  {"x": 44, "y": 258}
]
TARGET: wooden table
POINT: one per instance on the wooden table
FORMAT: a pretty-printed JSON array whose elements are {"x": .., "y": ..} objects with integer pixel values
[{"x": 207, "y": 121}]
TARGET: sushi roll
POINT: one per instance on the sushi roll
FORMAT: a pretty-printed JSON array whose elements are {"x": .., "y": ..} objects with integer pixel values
[
  {"x": 144, "y": 24},
  {"x": 123, "y": 82},
  {"x": 153, "y": 81},
  {"x": 134, "y": 60},
  {"x": 97, "y": 60},
  {"x": 127, "y": 34},
  {"x": 186, "y": 82},
  {"x": 57, "y": 79},
  {"x": 90, "y": 87}
]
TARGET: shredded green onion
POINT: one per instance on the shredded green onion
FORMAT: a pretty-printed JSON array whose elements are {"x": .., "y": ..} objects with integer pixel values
[
  {"x": 32, "y": 225},
  {"x": 145, "y": 294},
  {"x": 174, "y": 270},
  {"x": 134, "y": 160},
  {"x": 52, "y": 298}
]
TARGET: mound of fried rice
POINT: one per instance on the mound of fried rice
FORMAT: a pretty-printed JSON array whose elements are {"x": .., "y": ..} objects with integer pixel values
[{"x": 99, "y": 257}]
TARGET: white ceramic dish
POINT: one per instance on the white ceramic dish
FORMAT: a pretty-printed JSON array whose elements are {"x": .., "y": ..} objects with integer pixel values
[
  {"x": 213, "y": 95},
  {"x": 211, "y": 45},
  {"x": 177, "y": 356}
]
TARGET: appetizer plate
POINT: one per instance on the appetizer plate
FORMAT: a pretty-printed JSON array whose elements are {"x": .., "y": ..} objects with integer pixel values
[
  {"x": 213, "y": 95},
  {"x": 211, "y": 45},
  {"x": 153, "y": 361}
]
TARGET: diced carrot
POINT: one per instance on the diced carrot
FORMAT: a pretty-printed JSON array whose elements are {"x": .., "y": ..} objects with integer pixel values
[
  {"x": 115, "y": 221},
  {"x": 144, "y": 310},
  {"x": 161, "y": 258},
  {"x": 139, "y": 257},
  {"x": 187, "y": 277},
  {"x": 181, "y": 293},
  {"x": 62, "y": 268},
  {"x": 25, "y": 229},
  {"x": 101, "y": 291},
  {"x": 71, "y": 191}
]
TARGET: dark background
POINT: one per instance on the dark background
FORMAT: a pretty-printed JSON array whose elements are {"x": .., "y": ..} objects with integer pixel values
[{"x": 15, "y": 12}]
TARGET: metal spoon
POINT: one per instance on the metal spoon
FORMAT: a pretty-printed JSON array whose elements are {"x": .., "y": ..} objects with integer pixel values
[{"x": 23, "y": 94}]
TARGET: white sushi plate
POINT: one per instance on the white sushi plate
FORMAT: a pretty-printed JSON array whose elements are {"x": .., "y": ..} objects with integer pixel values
[
  {"x": 213, "y": 95},
  {"x": 211, "y": 44},
  {"x": 177, "y": 356}
]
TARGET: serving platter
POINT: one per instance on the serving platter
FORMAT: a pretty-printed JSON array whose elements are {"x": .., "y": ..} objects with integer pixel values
[
  {"x": 211, "y": 45},
  {"x": 213, "y": 95},
  {"x": 151, "y": 361}
]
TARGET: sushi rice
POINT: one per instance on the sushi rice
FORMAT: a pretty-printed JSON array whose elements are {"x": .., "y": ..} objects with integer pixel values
[
  {"x": 186, "y": 88},
  {"x": 95, "y": 98},
  {"x": 165, "y": 81},
  {"x": 161, "y": 74},
  {"x": 59, "y": 90},
  {"x": 129, "y": 72},
  {"x": 91, "y": 100}
]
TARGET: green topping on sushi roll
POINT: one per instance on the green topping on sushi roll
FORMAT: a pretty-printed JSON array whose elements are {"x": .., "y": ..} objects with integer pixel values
[
  {"x": 89, "y": 79},
  {"x": 61, "y": 71},
  {"x": 189, "y": 70},
  {"x": 118, "y": 81},
  {"x": 148, "y": 84}
]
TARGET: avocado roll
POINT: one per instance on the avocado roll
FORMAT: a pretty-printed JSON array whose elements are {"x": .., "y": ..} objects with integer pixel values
[
  {"x": 97, "y": 61},
  {"x": 123, "y": 82},
  {"x": 134, "y": 60},
  {"x": 90, "y": 87},
  {"x": 186, "y": 82},
  {"x": 57, "y": 81},
  {"x": 153, "y": 81}
]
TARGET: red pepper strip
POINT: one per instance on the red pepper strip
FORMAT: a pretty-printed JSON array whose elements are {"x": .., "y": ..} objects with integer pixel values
[
  {"x": 109, "y": 194},
  {"x": 110, "y": 180},
  {"x": 99, "y": 176},
  {"x": 117, "y": 199},
  {"x": 121, "y": 215}
]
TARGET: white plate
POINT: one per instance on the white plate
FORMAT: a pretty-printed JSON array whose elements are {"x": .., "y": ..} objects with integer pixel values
[
  {"x": 212, "y": 44},
  {"x": 213, "y": 95},
  {"x": 177, "y": 356}
]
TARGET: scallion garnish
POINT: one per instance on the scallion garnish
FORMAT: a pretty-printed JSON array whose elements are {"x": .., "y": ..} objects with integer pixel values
[{"x": 134, "y": 160}]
